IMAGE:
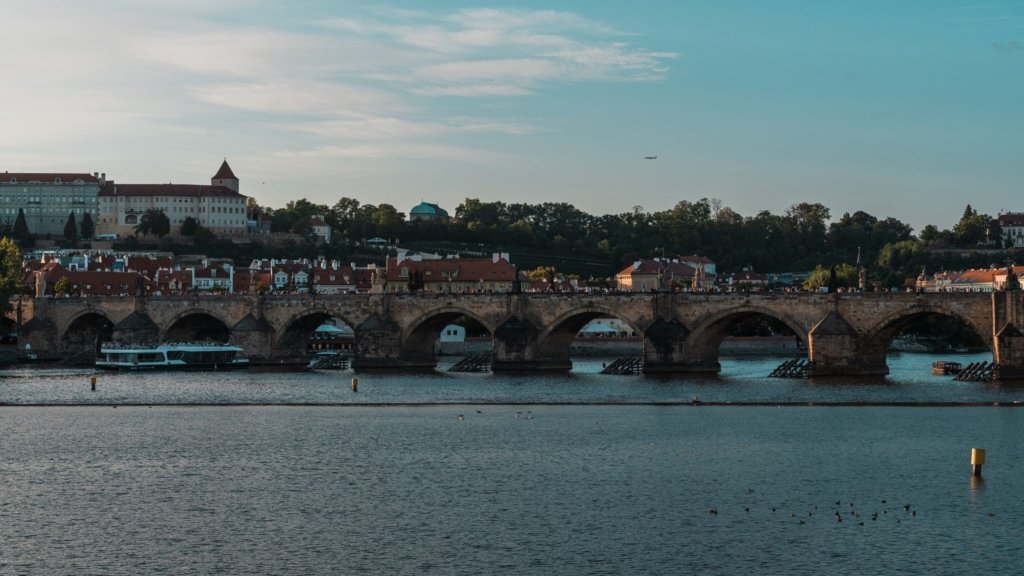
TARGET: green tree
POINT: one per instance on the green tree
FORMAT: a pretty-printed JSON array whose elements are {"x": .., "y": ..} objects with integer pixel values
[
  {"x": 189, "y": 226},
  {"x": 974, "y": 229},
  {"x": 154, "y": 222},
  {"x": 541, "y": 273},
  {"x": 10, "y": 272},
  {"x": 71, "y": 229},
  {"x": 846, "y": 277},
  {"x": 204, "y": 239},
  {"x": 21, "y": 231},
  {"x": 63, "y": 286},
  {"x": 88, "y": 229}
]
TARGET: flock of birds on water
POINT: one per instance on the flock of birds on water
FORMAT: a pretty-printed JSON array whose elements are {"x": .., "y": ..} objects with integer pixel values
[
  {"x": 852, "y": 513},
  {"x": 519, "y": 414},
  {"x": 839, "y": 512}
]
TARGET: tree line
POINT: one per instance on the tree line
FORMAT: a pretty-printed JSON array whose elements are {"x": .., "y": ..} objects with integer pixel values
[{"x": 802, "y": 238}]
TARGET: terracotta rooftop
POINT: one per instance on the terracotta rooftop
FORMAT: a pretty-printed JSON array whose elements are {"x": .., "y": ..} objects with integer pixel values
[
  {"x": 225, "y": 172},
  {"x": 1011, "y": 219},
  {"x": 46, "y": 177},
  {"x": 186, "y": 190},
  {"x": 654, "y": 267},
  {"x": 457, "y": 269}
]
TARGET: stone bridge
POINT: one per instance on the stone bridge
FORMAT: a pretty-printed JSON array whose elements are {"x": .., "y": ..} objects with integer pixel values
[{"x": 844, "y": 333}]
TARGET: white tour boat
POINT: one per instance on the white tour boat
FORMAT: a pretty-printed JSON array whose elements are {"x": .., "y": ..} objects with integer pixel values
[{"x": 172, "y": 356}]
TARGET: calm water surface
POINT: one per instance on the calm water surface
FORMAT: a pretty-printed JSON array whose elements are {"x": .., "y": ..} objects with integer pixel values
[
  {"x": 741, "y": 380},
  {"x": 510, "y": 487}
]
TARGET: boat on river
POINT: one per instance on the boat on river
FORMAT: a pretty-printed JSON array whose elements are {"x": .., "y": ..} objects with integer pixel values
[
  {"x": 172, "y": 356},
  {"x": 945, "y": 368}
]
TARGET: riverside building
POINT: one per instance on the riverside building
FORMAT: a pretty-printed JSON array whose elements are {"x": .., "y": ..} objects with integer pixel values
[
  {"x": 48, "y": 198},
  {"x": 218, "y": 206}
]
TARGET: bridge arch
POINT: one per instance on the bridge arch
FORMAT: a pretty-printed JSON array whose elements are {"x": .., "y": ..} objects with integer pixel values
[
  {"x": 291, "y": 338},
  {"x": 705, "y": 339},
  {"x": 876, "y": 340},
  {"x": 84, "y": 333},
  {"x": 197, "y": 324},
  {"x": 554, "y": 342},
  {"x": 420, "y": 335}
]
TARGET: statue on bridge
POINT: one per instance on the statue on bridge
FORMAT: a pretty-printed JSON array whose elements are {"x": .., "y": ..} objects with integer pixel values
[{"x": 1012, "y": 282}]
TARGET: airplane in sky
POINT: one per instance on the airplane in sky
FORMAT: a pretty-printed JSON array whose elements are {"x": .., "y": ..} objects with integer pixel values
[{"x": 650, "y": 157}]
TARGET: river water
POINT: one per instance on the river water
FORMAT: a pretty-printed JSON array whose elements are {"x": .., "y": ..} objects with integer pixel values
[{"x": 480, "y": 474}]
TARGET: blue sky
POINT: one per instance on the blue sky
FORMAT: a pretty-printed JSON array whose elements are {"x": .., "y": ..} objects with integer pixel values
[{"x": 903, "y": 109}]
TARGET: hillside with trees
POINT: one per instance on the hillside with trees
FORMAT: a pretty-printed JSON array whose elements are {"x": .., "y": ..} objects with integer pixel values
[{"x": 558, "y": 234}]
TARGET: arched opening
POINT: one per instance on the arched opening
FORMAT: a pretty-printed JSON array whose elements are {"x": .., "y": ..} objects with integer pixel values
[
  {"x": 82, "y": 340},
  {"x": 318, "y": 338},
  {"x": 760, "y": 335},
  {"x": 745, "y": 335},
  {"x": 198, "y": 327},
  {"x": 931, "y": 333},
  {"x": 910, "y": 344},
  {"x": 331, "y": 346},
  {"x": 591, "y": 341},
  {"x": 453, "y": 341}
]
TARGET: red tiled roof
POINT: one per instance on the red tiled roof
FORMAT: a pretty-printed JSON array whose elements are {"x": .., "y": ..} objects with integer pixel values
[
  {"x": 342, "y": 276},
  {"x": 653, "y": 267},
  {"x": 457, "y": 269},
  {"x": 976, "y": 276},
  {"x": 696, "y": 259},
  {"x": 1011, "y": 219},
  {"x": 225, "y": 172},
  {"x": 290, "y": 267},
  {"x": 183, "y": 277},
  {"x": 186, "y": 190},
  {"x": 212, "y": 272},
  {"x": 364, "y": 278},
  {"x": 148, "y": 266},
  {"x": 119, "y": 282},
  {"x": 46, "y": 177}
]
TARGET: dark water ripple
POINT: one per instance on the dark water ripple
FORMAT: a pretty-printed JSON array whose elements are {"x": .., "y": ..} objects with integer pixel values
[
  {"x": 741, "y": 380},
  {"x": 511, "y": 488},
  {"x": 559, "y": 490}
]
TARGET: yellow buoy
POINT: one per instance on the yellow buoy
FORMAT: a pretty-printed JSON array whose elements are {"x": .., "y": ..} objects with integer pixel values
[{"x": 977, "y": 460}]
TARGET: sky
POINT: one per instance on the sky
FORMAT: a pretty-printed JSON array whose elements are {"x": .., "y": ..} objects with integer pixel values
[{"x": 908, "y": 109}]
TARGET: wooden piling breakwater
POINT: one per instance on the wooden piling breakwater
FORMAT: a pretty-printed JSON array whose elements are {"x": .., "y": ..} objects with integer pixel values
[
  {"x": 474, "y": 363},
  {"x": 627, "y": 365},
  {"x": 979, "y": 372},
  {"x": 795, "y": 368}
]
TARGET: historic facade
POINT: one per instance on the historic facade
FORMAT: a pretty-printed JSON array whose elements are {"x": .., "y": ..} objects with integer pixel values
[
  {"x": 219, "y": 206},
  {"x": 1012, "y": 225},
  {"x": 48, "y": 198}
]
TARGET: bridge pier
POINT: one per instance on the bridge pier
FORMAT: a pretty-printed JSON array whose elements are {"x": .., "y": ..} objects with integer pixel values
[
  {"x": 1009, "y": 353},
  {"x": 379, "y": 347},
  {"x": 255, "y": 336},
  {"x": 834, "y": 350},
  {"x": 516, "y": 349}
]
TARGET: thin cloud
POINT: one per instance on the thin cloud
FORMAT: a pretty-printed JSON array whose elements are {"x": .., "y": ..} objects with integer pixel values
[
  {"x": 370, "y": 83},
  {"x": 514, "y": 51},
  {"x": 473, "y": 90}
]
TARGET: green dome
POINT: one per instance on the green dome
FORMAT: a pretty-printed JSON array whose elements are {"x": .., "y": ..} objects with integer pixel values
[{"x": 427, "y": 209}]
